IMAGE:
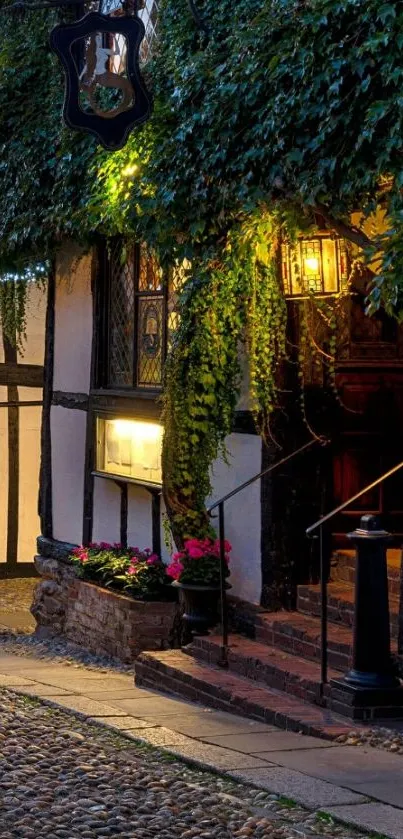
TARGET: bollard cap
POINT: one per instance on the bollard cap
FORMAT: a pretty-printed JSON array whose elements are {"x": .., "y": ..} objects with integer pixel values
[{"x": 369, "y": 529}]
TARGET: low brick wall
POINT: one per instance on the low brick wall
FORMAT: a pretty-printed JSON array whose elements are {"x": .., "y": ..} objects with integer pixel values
[{"x": 102, "y": 621}]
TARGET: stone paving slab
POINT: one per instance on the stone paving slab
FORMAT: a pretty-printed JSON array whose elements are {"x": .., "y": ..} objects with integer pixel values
[
  {"x": 125, "y": 723},
  {"x": 213, "y": 757},
  {"x": 349, "y": 766},
  {"x": 257, "y": 742},
  {"x": 162, "y": 737},
  {"x": 42, "y": 691},
  {"x": 209, "y": 723},
  {"x": 388, "y": 789},
  {"x": 310, "y": 792},
  {"x": 373, "y": 817},
  {"x": 154, "y": 704},
  {"x": 89, "y": 707},
  {"x": 7, "y": 680},
  {"x": 112, "y": 695}
]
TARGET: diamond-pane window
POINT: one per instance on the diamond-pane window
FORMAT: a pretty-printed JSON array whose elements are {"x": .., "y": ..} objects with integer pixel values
[
  {"x": 121, "y": 317},
  {"x": 149, "y": 14},
  {"x": 135, "y": 340}
]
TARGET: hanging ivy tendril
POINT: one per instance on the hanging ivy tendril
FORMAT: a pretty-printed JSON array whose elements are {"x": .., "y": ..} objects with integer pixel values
[
  {"x": 13, "y": 299},
  {"x": 231, "y": 306}
]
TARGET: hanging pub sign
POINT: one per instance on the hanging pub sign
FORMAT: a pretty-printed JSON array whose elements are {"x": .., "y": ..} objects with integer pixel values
[{"x": 105, "y": 94}]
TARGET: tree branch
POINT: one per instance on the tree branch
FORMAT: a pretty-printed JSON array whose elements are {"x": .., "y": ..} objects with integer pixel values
[{"x": 347, "y": 231}]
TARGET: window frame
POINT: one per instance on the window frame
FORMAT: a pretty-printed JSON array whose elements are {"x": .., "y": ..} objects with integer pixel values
[{"x": 102, "y": 325}]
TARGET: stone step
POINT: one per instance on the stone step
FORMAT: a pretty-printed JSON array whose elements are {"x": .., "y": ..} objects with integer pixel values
[
  {"x": 300, "y": 635},
  {"x": 340, "y": 604},
  {"x": 265, "y": 664},
  {"x": 343, "y": 568},
  {"x": 177, "y": 673}
]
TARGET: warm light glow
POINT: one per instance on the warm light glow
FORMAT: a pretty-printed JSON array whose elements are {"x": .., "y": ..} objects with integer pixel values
[
  {"x": 130, "y": 170},
  {"x": 134, "y": 428},
  {"x": 311, "y": 264},
  {"x": 316, "y": 265},
  {"x": 130, "y": 448}
]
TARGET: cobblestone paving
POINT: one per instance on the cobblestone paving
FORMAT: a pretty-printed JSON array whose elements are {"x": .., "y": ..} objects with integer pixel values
[{"x": 63, "y": 778}]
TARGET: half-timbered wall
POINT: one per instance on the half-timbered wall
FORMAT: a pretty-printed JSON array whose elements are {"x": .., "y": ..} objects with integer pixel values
[
  {"x": 89, "y": 508},
  {"x": 21, "y": 376}
]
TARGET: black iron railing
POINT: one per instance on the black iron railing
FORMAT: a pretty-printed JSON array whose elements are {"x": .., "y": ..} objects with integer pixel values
[
  {"x": 318, "y": 525},
  {"x": 223, "y": 661}
]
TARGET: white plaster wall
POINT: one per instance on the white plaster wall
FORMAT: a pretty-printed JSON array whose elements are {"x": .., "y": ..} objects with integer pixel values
[
  {"x": 68, "y": 453},
  {"x": 139, "y": 526},
  {"x": 106, "y": 511},
  {"x": 73, "y": 322},
  {"x": 29, "y": 444},
  {"x": 33, "y": 350},
  {"x": 3, "y": 475},
  {"x": 242, "y": 513}
]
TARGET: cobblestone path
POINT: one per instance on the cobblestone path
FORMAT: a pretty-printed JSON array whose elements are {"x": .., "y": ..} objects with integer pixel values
[{"x": 63, "y": 778}]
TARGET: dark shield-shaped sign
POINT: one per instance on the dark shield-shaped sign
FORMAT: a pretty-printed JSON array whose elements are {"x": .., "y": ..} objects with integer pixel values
[{"x": 105, "y": 94}]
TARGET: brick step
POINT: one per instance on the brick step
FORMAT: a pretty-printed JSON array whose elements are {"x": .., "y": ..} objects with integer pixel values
[
  {"x": 300, "y": 635},
  {"x": 177, "y": 673},
  {"x": 340, "y": 604},
  {"x": 265, "y": 664},
  {"x": 343, "y": 569}
]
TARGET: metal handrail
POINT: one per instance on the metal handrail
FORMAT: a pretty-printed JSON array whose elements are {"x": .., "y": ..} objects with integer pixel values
[
  {"x": 345, "y": 504},
  {"x": 223, "y": 661},
  {"x": 262, "y": 473},
  {"x": 323, "y": 570}
]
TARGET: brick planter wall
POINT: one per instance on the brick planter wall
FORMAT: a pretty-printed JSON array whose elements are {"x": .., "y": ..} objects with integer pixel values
[{"x": 102, "y": 621}]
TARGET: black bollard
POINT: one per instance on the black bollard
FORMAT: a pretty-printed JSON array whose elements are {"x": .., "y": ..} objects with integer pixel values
[
  {"x": 372, "y": 661},
  {"x": 371, "y": 689}
]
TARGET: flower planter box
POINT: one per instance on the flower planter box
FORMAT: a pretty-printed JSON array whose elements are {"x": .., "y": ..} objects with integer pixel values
[{"x": 102, "y": 621}]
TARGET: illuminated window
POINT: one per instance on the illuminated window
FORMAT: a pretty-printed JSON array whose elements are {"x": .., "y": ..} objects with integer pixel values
[{"x": 130, "y": 449}]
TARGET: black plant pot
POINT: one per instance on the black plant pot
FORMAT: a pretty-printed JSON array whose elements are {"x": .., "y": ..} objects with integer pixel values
[{"x": 200, "y": 605}]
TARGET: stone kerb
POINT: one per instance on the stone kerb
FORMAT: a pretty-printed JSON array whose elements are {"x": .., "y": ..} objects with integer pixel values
[{"x": 102, "y": 621}]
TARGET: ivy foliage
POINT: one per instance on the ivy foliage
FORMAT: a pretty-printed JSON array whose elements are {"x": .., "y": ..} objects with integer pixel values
[{"x": 285, "y": 110}]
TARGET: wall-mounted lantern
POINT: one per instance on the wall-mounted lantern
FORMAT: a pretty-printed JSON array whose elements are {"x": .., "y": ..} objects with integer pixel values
[
  {"x": 314, "y": 265},
  {"x": 105, "y": 94}
]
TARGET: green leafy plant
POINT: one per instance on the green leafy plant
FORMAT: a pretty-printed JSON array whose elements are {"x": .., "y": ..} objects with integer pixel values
[{"x": 141, "y": 574}]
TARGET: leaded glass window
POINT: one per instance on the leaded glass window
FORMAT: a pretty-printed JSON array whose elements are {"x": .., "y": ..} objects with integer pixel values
[
  {"x": 121, "y": 316},
  {"x": 148, "y": 14},
  {"x": 136, "y": 314},
  {"x": 150, "y": 320}
]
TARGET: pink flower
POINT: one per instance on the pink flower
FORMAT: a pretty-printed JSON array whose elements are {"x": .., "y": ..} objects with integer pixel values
[
  {"x": 174, "y": 570},
  {"x": 131, "y": 570},
  {"x": 195, "y": 553},
  {"x": 105, "y": 546},
  {"x": 177, "y": 557},
  {"x": 153, "y": 559}
]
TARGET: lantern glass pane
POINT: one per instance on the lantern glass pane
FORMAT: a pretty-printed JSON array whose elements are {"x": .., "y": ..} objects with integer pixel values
[
  {"x": 101, "y": 62},
  {"x": 330, "y": 267},
  {"x": 311, "y": 265}
]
